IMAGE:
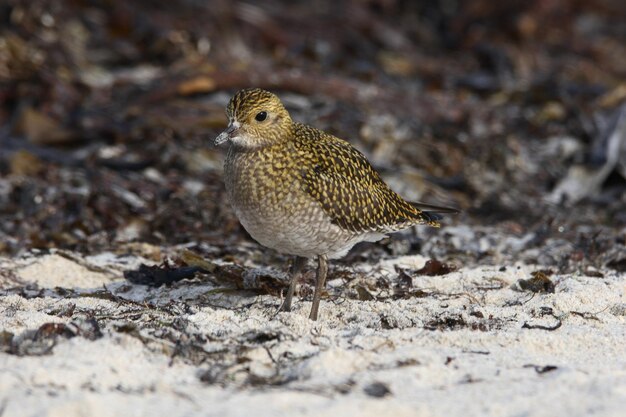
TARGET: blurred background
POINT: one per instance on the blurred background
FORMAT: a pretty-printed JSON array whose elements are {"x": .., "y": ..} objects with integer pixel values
[{"x": 513, "y": 111}]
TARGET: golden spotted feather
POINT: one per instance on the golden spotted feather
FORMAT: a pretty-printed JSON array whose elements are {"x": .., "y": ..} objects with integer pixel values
[{"x": 349, "y": 190}]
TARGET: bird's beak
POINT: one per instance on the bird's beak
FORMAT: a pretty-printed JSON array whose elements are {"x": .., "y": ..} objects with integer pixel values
[{"x": 227, "y": 134}]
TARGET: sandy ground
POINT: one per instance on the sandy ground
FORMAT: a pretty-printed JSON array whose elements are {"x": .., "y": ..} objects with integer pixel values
[{"x": 461, "y": 344}]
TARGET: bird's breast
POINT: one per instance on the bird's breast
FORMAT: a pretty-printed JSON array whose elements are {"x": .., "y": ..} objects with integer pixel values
[
  {"x": 259, "y": 182},
  {"x": 269, "y": 198}
]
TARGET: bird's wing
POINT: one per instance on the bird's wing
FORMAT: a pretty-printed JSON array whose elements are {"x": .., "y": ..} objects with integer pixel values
[{"x": 350, "y": 190}]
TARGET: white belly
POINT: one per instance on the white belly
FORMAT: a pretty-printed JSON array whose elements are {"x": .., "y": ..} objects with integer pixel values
[{"x": 306, "y": 233}]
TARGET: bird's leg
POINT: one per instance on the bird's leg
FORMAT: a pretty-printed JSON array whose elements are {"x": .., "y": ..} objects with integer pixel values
[
  {"x": 320, "y": 280},
  {"x": 296, "y": 268}
]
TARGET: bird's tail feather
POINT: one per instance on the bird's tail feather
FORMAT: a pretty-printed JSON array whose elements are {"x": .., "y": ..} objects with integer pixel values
[{"x": 433, "y": 213}]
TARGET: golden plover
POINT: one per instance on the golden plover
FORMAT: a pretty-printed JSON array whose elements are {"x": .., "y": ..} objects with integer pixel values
[{"x": 303, "y": 192}]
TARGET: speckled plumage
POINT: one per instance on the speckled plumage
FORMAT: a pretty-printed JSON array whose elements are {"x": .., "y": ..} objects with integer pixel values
[{"x": 302, "y": 191}]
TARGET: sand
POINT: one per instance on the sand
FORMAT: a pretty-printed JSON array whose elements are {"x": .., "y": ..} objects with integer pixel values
[{"x": 468, "y": 344}]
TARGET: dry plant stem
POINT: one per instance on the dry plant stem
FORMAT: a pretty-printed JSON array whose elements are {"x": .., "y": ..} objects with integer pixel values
[
  {"x": 296, "y": 268},
  {"x": 320, "y": 280}
]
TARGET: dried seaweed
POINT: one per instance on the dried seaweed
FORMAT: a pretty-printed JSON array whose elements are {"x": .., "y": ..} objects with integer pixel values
[
  {"x": 435, "y": 267},
  {"x": 106, "y": 138},
  {"x": 43, "y": 340},
  {"x": 163, "y": 274},
  {"x": 538, "y": 283}
]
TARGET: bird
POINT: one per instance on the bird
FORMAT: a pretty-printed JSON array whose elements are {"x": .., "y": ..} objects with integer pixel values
[{"x": 304, "y": 192}]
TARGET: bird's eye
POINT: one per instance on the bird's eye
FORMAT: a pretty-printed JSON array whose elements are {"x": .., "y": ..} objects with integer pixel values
[{"x": 260, "y": 116}]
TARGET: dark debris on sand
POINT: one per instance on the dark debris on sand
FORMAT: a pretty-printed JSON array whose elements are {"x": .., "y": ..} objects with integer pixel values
[{"x": 512, "y": 111}]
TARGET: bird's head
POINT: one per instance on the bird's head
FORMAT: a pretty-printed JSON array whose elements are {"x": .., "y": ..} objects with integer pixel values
[{"x": 256, "y": 118}]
